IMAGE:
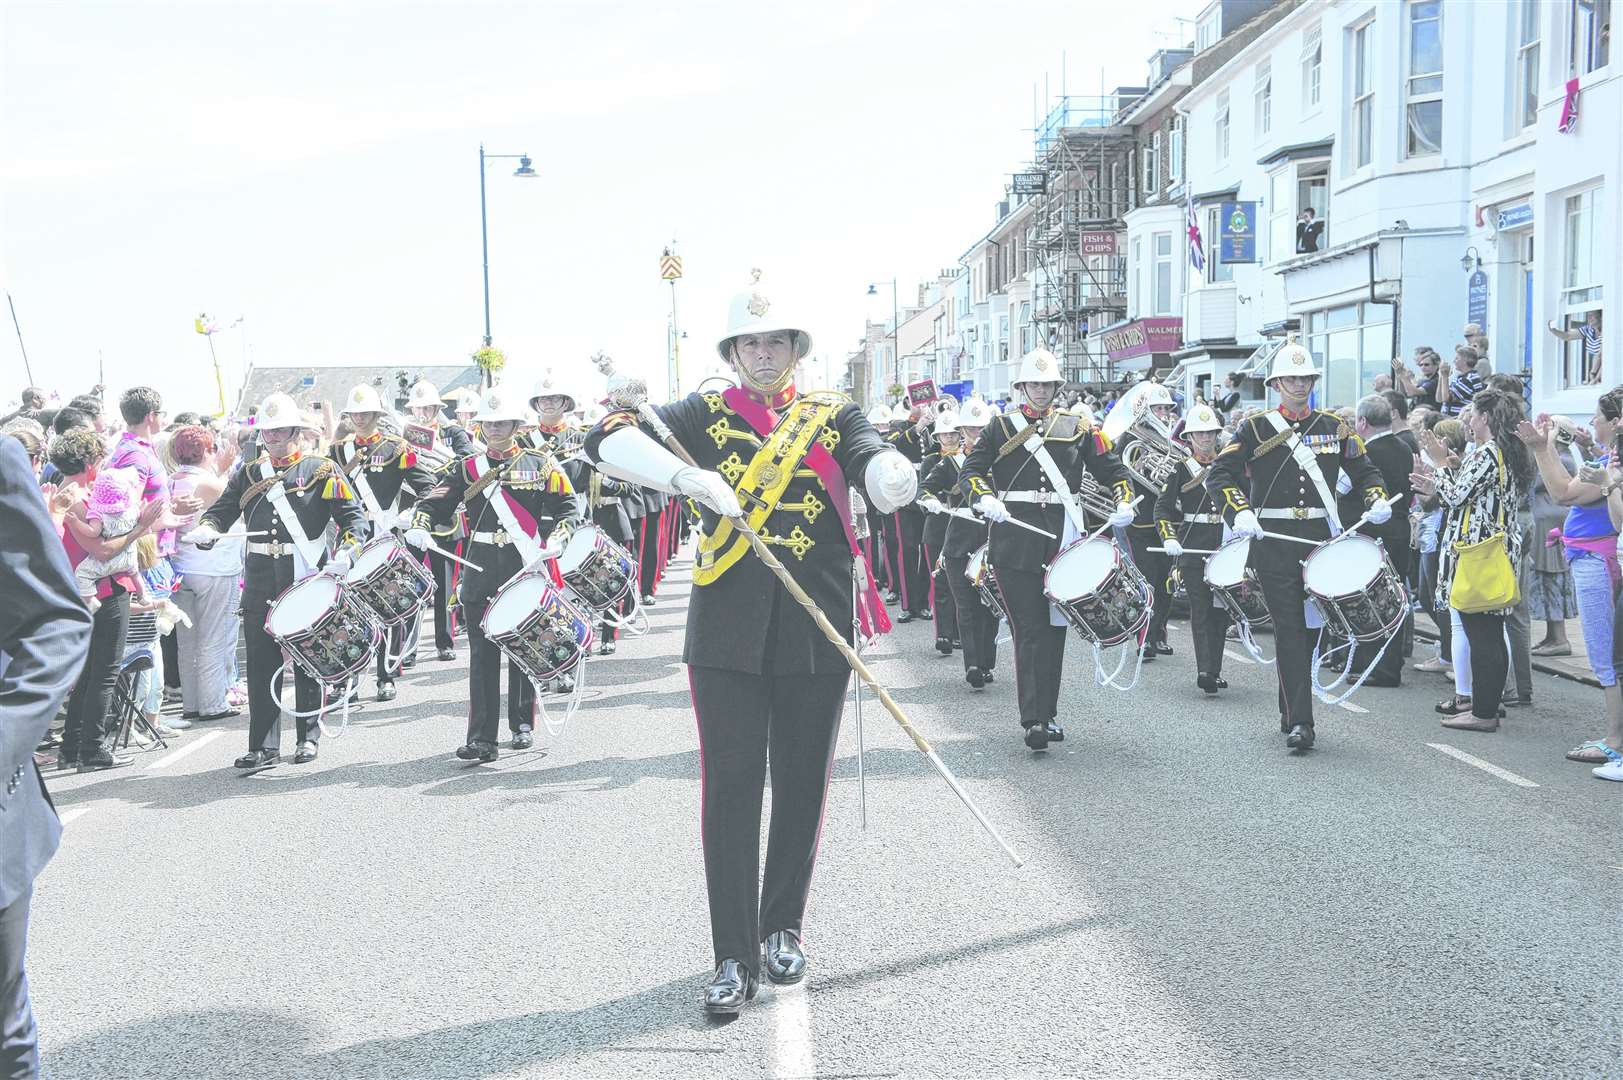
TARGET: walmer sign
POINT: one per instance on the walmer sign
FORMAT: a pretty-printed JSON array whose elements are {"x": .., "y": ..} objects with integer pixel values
[{"x": 1141, "y": 337}]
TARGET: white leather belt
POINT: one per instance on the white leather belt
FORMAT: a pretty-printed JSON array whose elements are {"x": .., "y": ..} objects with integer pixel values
[
  {"x": 1203, "y": 519},
  {"x": 499, "y": 537},
  {"x": 1041, "y": 498},
  {"x": 609, "y": 500},
  {"x": 275, "y": 550},
  {"x": 1294, "y": 513}
]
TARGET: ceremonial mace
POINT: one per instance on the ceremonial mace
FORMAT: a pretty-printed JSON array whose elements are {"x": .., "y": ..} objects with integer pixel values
[{"x": 634, "y": 395}]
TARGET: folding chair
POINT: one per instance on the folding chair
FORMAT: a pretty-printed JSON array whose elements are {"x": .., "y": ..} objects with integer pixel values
[{"x": 126, "y": 710}]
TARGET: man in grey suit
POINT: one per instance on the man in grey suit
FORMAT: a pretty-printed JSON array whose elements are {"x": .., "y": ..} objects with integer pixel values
[{"x": 44, "y": 636}]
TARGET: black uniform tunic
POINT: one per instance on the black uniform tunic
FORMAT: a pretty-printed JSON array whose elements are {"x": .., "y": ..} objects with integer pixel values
[
  {"x": 318, "y": 495},
  {"x": 1185, "y": 512},
  {"x": 393, "y": 473},
  {"x": 1141, "y": 536},
  {"x": 542, "y": 490},
  {"x": 906, "y": 528},
  {"x": 450, "y": 443},
  {"x": 942, "y": 608},
  {"x": 1256, "y": 471},
  {"x": 761, "y": 673},
  {"x": 959, "y": 538},
  {"x": 1020, "y": 556}
]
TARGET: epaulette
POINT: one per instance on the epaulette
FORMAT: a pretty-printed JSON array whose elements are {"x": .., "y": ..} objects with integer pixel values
[
  {"x": 1065, "y": 427},
  {"x": 827, "y": 397}
]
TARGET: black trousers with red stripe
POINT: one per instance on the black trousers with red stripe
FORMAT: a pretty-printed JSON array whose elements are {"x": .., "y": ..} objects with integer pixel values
[
  {"x": 750, "y": 725},
  {"x": 1278, "y": 565},
  {"x": 942, "y": 605},
  {"x": 1039, "y": 646}
]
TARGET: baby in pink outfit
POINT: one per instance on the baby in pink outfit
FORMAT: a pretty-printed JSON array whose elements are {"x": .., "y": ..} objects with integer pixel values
[{"x": 113, "y": 507}]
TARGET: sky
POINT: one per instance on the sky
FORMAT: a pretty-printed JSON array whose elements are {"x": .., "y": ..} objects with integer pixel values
[{"x": 312, "y": 170}]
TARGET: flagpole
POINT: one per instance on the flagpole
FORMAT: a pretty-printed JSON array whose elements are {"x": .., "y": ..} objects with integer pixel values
[{"x": 27, "y": 367}]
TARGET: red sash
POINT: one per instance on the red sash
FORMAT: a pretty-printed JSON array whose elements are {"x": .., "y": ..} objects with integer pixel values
[{"x": 871, "y": 614}]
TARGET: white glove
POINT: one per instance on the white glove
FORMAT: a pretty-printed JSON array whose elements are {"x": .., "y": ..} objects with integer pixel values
[
  {"x": 419, "y": 538},
  {"x": 340, "y": 563},
  {"x": 992, "y": 509},
  {"x": 708, "y": 488},
  {"x": 891, "y": 481},
  {"x": 931, "y": 504},
  {"x": 1172, "y": 547},
  {"x": 1122, "y": 516},
  {"x": 1247, "y": 525},
  {"x": 1380, "y": 512},
  {"x": 204, "y": 536}
]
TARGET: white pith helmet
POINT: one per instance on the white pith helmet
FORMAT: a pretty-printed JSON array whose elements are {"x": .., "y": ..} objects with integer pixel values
[
  {"x": 879, "y": 416},
  {"x": 1202, "y": 418},
  {"x": 975, "y": 413},
  {"x": 946, "y": 421},
  {"x": 550, "y": 385},
  {"x": 1292, "y": 359},
  {"x": 281, "y": 411},
  {"x": 752, "y": 312},
  {"x": 423, "y": 393},
  {"x": 1038, "y": 365},
  {"x": 499, "y": 405},
  {"x": 363, "y": 399}
]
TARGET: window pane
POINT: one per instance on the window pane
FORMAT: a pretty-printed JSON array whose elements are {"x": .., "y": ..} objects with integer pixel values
[
  {"x": 1425, "y": 45},
  {"x": 1377, "y": 356},
  {"x": 1425, "y": 127},
  {"x": 1341, "y": 360},
  {"x": 1342, "y": 316}
]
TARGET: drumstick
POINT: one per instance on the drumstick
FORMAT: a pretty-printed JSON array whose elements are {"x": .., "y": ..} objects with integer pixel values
[
  {"x": 970, "y": 515},
  {"x": 1293, "y": 539},
  {"x": 1100, "y": 530},
  {"x": 1387, "y": 502},
  {"x": 1189, "y": 551},
  {"x": 436, "y": 549}
]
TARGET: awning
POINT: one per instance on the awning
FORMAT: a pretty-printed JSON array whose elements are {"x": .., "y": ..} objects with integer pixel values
[
  {"x": 1257, "y": 366},
  {"x": 1299, "y": 151}
]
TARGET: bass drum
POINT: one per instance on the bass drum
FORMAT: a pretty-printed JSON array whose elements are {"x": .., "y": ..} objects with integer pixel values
[{"x": 1101, "y": 595}]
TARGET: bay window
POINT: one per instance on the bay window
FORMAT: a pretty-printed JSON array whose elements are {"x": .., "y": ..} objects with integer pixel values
[
  {"x": 1361, "y": 110},
  {"x": 1312, "y": 65},
  {"x": 1163, "y": 273},
  {"x": 1423, "y": 83},
  {"x": 1524, "y": 110},
  {"x": 1222, "y": 133},
  {"x": 1262, "y": 103},
  {"x": 1581, "y": 292}
]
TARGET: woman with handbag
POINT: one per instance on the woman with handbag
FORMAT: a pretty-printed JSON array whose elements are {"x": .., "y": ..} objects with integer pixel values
[{"x": 1481, "y": 542}]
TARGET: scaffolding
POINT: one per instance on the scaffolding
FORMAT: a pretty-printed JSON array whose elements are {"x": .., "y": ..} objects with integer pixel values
[{"x": 1082, "y": 183}]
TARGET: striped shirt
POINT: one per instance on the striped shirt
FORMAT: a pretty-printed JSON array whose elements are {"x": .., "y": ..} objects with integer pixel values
[{"x": 1461, "y": 389}]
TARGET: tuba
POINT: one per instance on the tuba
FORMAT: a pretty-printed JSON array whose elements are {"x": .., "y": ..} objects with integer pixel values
[{"x": 1153, "y": 456}]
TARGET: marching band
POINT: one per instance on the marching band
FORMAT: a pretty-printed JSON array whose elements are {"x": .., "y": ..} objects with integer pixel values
[{"x": 544, "y": 530}]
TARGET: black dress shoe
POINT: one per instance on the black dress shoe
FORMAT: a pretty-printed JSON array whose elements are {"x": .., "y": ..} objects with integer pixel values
[
  {"x": 258, "y": 759},
  {"x": 409, "y": 662},
  {"x": 975, "y": 677},
  {"x": 523, "y": 739},
  {"x": 104, "y": 759},
  {"x": 924, "y": 614},
  {"x": 447, "y": 654},
  {"x": 729, "y": 989},
  {"x": 785, "y": 961},
  {"x": 991, "y": 676},
  {"x": 305, "y": 754},
  {"x": 1162, "y": 648},
  {"x": 479, "y": 750},
  {"x": 957, "y": 644},
  {"x": 648, "y": 601},
  {"x": 1147, "y": 652},
  {"x": 1300, "y": 737},
  {"x": 1208, "y": 682},
  {"x": 1055, "y": 732},
  {"x": 1387, "y": 681},
  {"x": 906, "y": 616},
  {"x": 1037, "y": 736},
  {"x": 606, "y": 646},
  {"x": 386, "y": 691},
  {"x": 943, "y": 646}
]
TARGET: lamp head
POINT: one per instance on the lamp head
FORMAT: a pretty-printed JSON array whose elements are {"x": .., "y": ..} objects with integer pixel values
[
  {"x": 873, "y": 290},
  {"x": 524, "y": 168}
]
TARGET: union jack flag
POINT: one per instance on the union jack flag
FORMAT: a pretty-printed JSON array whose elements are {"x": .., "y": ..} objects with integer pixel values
[{"x": 1197, "y": 251}]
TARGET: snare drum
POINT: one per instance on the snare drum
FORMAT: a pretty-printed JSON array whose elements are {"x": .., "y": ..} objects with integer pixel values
[
  {"x": 389, "y": 582},
  {"x": 323, "y": 629},
  {"x": 1356, "y": 588},
  {"x": 1100, "y": 594},
  {"x": 1230, "y": 578},
  {"x": 539, "y": 630},
  {"x": 601, "y": 572},
  {"x": 980, "y": 574}
]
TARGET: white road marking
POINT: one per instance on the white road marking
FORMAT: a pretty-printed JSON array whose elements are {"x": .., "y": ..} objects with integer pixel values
[
  {"x": 1232, "y": 655},
  {"x": 170, "y": 759},
  {"x": 75, "y": 814},
  {"x": 1350, "y": 707},
  {"x": 791, "y": 1046},
  {"x": 1485, "y": 766}
]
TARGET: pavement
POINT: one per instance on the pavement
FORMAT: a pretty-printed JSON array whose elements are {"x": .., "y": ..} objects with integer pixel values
[{"x": 1403, "y": 901}]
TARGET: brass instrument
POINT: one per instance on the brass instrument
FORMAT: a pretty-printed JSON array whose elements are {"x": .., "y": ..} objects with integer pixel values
[{"x": 1152, "y": 457}]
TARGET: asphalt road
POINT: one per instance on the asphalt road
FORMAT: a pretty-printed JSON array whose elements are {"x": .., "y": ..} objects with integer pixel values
[{"x": 1195, "y": 902}]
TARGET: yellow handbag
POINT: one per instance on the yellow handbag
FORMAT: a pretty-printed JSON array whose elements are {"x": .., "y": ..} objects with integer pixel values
[{"x": 1484, "y": 579}]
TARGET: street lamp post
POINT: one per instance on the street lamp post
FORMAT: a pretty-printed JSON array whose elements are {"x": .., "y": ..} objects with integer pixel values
[
  {"x": 895, "y": 330},
  {"x": 524, "y": 172}
]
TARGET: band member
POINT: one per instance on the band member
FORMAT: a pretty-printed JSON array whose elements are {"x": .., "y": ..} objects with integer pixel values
[
  {"x": 438, "y": 443},
  {"x": 1186, "y": 517},
  {"x": 513, "y": 501},
  {"x": 1281, "y": 468},
  {"x": 1142, "y": 437},
  {"x": 879, "y": 547},
  {"x": 1392, "y": 455},
  {"x": 384, "y": 471},
  {"x": 910, "y": 435},
  {"x": 977, "y": 624},
  {"x": 289, "y": 495},
  {"x": 465, "y": 406},
  {"x": 553, "y": 402},
  {"x": 766, "y": 683},
  {"x": 1027, "y": 465},
  {"x": 939, "y": 471},
  {"x": 606, "y": 500}
]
